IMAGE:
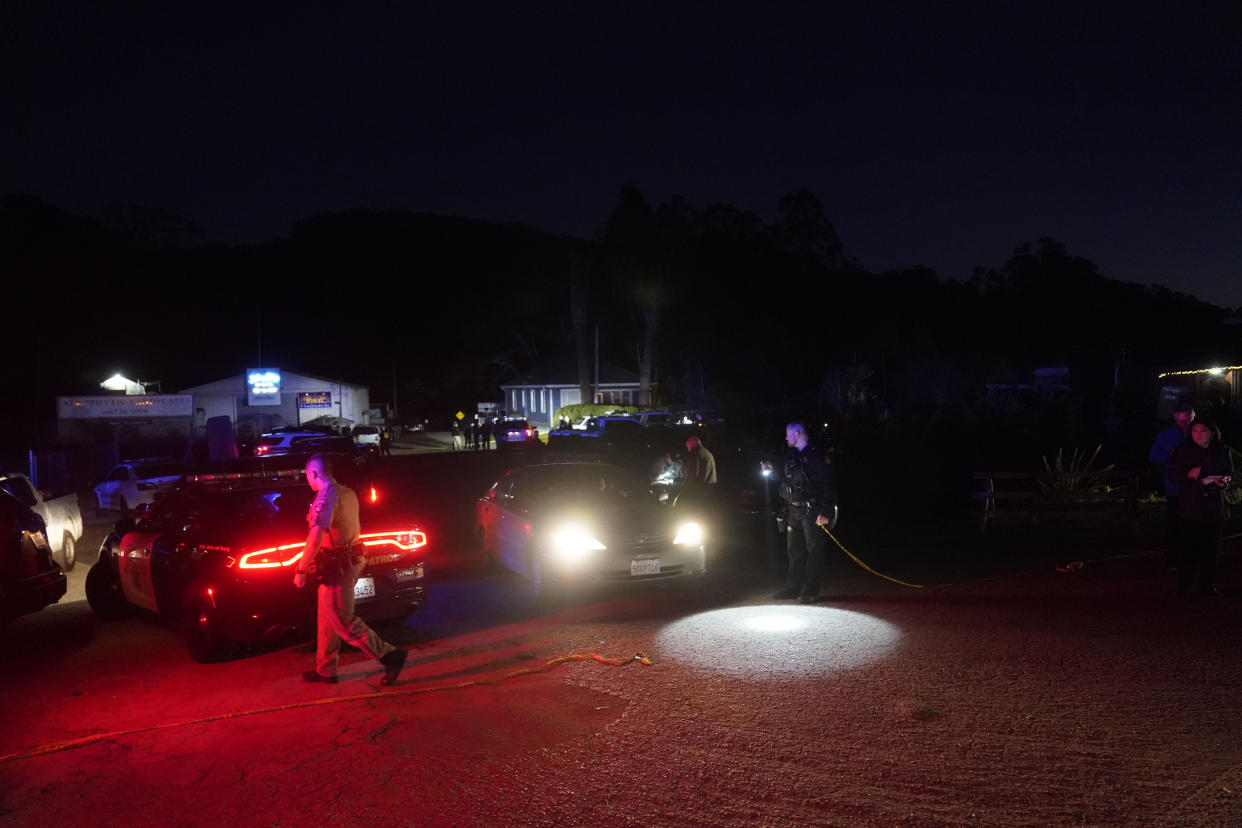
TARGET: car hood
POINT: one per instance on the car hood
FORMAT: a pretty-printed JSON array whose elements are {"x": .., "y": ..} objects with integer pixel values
[{"x": 615, "y": 525}]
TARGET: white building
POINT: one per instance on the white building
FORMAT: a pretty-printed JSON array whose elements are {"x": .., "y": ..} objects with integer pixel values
[{"x": 265, "y": 398}]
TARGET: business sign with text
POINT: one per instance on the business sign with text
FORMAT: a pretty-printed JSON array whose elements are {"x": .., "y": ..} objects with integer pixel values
[
  {"x": 263, "y": 386},
  {"x": 315, "y": 399},
  {"x": 125, "y": 408}
]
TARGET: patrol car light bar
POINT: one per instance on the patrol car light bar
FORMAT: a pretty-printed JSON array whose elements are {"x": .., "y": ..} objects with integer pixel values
[{"x": 271, "y": 474}]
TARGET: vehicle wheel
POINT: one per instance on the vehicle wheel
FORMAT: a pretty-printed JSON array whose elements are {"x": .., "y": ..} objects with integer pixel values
[
  {"x": 68, "y": 553},
  {"x": 203, "y": 637},
  {"x": 103, "y": 592}
]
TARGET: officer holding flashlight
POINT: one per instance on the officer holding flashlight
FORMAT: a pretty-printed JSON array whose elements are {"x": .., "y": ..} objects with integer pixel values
[{"x": 810, "y": 493}]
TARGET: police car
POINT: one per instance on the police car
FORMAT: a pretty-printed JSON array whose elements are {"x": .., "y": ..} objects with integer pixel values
[{"x": 216, "y": 557}]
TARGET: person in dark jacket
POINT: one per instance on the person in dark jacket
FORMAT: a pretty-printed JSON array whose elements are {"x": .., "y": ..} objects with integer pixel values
[
  {"x": 810, "y": 493},
  {"x": 1168, "y": 439},
  {"x": 1202, "y": 466}
]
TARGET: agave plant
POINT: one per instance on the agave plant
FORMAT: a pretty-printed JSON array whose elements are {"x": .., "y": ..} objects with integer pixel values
[
  {"x": 1233, "y": 492},
  {"x": 1064, "y": 476}
]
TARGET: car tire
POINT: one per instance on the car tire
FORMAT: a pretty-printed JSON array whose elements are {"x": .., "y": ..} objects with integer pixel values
[
  {"x": 201, "y": 626},
  {"x": 68, "y": 552},
  {"x": 103, "y": 592}
]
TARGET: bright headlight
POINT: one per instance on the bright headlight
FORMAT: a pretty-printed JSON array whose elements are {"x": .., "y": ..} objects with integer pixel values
[
  {"x": 570, "y": 543},
  {"x": 690, "y": 533}
]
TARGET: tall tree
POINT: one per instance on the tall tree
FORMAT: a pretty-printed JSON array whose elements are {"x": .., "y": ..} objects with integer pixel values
[
  {"x": 632, "y": 241},
  {"x": 580, "y": 319},
  {"x": 805, "y": 230}
]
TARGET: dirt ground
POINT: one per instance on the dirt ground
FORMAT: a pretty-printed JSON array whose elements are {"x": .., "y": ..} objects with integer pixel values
[{"x": 1092, "y": 696}]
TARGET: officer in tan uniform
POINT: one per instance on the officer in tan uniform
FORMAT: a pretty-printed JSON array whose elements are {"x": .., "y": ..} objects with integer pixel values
[{"x": 334, "y": 531}]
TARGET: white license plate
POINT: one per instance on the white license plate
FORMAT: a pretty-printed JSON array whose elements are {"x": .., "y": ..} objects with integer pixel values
[
  {"x": 364, "y": 588},
  {"x": 646, "y": 566}
]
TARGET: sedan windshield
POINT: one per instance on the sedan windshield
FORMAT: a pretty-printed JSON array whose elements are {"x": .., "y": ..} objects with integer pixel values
[{"x": 599, "y": 484}]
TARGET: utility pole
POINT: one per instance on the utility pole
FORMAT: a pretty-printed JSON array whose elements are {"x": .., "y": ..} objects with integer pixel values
[{"x": 394, "y": 389}]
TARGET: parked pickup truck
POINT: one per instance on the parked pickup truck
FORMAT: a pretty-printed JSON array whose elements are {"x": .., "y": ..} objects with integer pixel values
[{"x": 61, "y": 515}]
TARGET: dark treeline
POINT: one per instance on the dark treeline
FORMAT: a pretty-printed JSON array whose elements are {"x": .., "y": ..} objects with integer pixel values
[{"x": 718, "y": 308}]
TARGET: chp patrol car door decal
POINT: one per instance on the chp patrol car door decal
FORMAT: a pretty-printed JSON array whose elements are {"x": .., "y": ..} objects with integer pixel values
[{"x": 133, "y": 569}]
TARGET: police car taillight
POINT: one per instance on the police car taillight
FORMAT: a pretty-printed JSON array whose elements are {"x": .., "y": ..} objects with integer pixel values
[
  {"x": 260, "y": 450},
  {"x": 530, "y": 433},
  {"x": 406, "y": 540},
  {"x": 274, "y": 557}
]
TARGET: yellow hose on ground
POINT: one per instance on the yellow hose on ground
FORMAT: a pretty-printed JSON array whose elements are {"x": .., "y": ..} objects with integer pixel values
[{"x": 856, "y": 560}]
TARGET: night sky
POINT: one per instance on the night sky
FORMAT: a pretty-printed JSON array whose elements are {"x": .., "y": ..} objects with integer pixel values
[{"x": 936, "y": 134}]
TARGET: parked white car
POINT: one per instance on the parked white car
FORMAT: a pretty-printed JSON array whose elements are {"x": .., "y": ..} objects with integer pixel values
[
  {"x": 61, "y": 515},
  {"x": 135, "y": 482},
  {"x": 367, "y": 437}
]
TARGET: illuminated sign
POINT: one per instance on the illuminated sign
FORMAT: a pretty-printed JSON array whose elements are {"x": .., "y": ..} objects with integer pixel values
[
  {"x": 315, "y": 399},
  {"x": 128, "y": 407},
  {"x": 263, "y": 385}
]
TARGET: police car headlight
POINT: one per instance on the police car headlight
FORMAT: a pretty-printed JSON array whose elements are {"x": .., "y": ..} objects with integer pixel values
[
  {"x": 689, "y": 533},
  {"x": 572, "y": 543}
]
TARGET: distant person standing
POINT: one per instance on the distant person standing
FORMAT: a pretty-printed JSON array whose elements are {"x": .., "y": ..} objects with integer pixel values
[
  {"x": 474, "y": 434},
  {"x": 810, "y": 492},
  {"x": 455, "y": 429},
  {"x": 487, "y": 433},
  {"x": 1161, "y": 450},
  {"x": 1203, "y": 467},
  {"x": 385, "y": 442}
]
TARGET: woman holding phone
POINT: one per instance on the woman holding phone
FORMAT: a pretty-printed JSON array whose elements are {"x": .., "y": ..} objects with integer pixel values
[{"x": 1203, "y": 467}]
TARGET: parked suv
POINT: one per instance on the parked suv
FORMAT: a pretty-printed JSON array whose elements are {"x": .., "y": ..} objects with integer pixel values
[
  {"x": 657, "y": 418},
  {"x": 302, "y": 442},
  {"x": 367, "y": 437}
]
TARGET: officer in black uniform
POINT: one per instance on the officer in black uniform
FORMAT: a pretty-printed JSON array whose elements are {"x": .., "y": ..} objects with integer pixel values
[{"x": 810, "y": 493}]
